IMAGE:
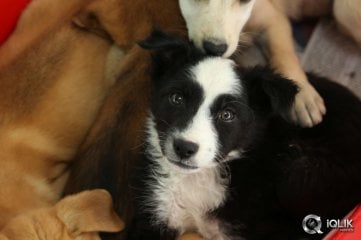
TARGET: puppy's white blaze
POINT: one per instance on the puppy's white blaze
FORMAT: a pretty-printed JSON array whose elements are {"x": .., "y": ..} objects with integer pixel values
[
  {"x": 202, "y": 132},
  {"x": 216, "y": 19},
  {"x": 216, "y": 76}
]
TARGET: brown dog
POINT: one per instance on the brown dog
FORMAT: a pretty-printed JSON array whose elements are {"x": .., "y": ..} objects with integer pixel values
[
  {"x": 53, "y": 78},
  {"x": 75, "y": 217},
  {"x": 55, "y": 71}
]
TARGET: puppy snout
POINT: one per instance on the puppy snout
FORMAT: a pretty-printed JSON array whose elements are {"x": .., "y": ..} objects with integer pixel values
[
  {"x": 215, "y": 47},
  {"x": 185, "y": 149}
]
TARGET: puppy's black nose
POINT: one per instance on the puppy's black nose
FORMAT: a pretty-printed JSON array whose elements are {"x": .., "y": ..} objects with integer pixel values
[
  {"x": 215, "y": 47},
  {"x": 185, "y": 149}
]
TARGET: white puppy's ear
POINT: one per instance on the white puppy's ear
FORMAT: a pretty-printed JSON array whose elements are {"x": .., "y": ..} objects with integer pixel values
[{"x": 89, "y": 211}]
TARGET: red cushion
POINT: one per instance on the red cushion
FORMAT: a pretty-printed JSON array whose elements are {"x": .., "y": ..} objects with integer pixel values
[
  {"x": 355, "y": 216},
  {"x": 10, "y": 10}
]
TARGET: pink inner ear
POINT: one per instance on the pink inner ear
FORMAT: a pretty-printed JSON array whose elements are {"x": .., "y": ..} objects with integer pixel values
[{"x": 10, "y": 11}]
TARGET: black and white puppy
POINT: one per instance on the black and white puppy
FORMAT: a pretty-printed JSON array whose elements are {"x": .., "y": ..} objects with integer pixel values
[{"x": 210, "y": 163}]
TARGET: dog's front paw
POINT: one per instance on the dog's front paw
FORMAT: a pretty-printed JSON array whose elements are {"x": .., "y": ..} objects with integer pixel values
[{"x": 308, "y": 108}]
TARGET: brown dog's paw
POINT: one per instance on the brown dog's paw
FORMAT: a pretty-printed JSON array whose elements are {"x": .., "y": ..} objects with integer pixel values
[
  {"x": 89, "y": 211},
  {"x": 308, "y": 108},
  {"x": 190, "y": 236}
]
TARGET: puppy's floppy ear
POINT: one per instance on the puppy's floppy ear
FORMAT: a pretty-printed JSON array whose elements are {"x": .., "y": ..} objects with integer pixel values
[
  {"x": 161, "y": 41},
  {"x": 165, "y": 48},
  {"x": 89, "y": 211},
  {"x": 268, "y": 91}
]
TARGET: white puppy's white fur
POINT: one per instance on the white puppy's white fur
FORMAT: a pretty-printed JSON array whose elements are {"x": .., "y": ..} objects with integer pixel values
[{"x": 217, "y": 20}]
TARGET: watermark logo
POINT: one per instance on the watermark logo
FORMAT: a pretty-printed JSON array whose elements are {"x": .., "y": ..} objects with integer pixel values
[
  {"x": 312, "y": 224},
  {"x": 344, "y": 225}
]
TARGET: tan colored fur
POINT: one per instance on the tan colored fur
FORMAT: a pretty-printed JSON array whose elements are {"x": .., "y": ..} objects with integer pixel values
[
  {"x": 348, "y": 16},
  {"x": 50, "y": 95},
  {"x": 77, "y": 217},
  {"x": 55, "y": 71}
]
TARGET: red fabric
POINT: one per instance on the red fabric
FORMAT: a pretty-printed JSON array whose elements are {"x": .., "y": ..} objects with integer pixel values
[
  {"x": 10, "y": 11},
  {"x": 355, "y": 215}
]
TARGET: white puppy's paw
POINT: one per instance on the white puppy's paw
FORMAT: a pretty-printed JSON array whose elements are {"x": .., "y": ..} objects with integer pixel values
[{"x": 308, "y": 108}]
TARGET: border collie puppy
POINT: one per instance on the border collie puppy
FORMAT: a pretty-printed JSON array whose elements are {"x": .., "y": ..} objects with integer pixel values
[{"x": 210, "y": 165}]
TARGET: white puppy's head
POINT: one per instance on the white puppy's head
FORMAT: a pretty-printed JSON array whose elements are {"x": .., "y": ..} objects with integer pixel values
[{"x": 215, "y": 25}]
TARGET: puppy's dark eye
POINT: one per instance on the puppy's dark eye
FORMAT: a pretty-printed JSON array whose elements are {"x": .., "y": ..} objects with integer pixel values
[
  {"x": 176, "y": 99},
  {"x": 226, "y": 115},
  {"x": 244, "y": 1}
]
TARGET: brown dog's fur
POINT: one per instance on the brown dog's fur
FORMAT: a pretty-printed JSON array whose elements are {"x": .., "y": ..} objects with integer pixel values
[
  {"x": 77, "y": 217},
  {"x": 51, "y": 89},
  {"x": 55, "y": 71}
]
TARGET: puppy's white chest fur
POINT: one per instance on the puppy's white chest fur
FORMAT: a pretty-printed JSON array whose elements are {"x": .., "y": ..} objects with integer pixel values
[{"x": 183, "y": 201}]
